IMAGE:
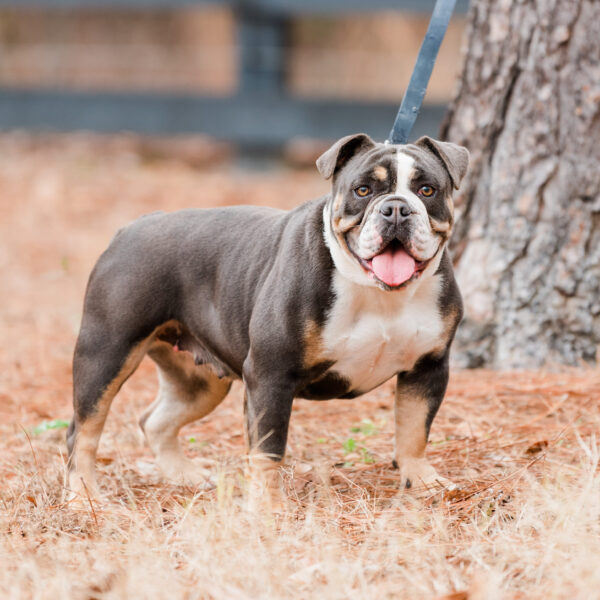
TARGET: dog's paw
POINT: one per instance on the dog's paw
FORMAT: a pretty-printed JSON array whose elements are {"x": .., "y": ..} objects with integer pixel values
[
  {"x": 186, "y": 472},
  {"x": 418, "y": 474},
  {"x": 265, "y": 487},
  {"x": 265, "y": 498},
  {"x": 80, "y": 496}
]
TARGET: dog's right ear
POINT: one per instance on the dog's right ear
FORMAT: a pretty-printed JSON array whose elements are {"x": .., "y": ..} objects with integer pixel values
[{"x": 341, "y": 152}]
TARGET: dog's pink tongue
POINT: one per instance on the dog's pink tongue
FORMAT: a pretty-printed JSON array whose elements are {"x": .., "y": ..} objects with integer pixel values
[{"x": 393, "y": 266}]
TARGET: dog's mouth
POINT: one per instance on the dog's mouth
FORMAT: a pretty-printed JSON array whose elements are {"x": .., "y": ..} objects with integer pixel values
[{"x": 392, "y": 265}]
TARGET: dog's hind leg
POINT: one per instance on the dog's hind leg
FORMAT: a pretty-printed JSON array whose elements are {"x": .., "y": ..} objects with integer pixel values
[
  {"x": 187, "y": 392},
  {"x": 100, "y": 367}
]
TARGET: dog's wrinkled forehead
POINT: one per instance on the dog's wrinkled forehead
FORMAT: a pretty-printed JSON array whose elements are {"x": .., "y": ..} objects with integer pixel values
[
  {"x": 358, "y": 156},
  {"x": 379, "y": 163},
  {"x": 420, "y": 164}
]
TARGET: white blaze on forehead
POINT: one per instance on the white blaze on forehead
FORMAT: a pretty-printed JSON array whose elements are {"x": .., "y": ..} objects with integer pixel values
[
  {"x": 404, "y": 171},
  {"x": 405, "y": 168}
]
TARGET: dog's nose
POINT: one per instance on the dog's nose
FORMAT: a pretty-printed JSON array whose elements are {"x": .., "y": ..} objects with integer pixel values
[{"x": 395, "y": 209}]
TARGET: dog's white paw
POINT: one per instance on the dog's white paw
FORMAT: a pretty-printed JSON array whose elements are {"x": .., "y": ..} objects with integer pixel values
[
  {"x": 265, "y": 486},
  {"x": 418, "y": 474},
  {"x": 265, "y": 497},
  {"x": 82, "y": 493},
  {"x": 186, "y": 472}
]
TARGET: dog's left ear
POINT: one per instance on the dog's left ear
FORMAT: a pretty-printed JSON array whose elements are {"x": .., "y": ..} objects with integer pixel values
[
  {"x": 341, "y": 152},
  {"x": 455, "y": 158}
]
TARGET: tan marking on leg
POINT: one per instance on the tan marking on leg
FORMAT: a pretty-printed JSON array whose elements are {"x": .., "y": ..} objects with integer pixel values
[
  {"x": 265, "y": 484},
  {"x": 81, "y": 475},
  {"x": 180, "y": 363},
  {"x": 187, "y": 392},
  {"x": 410, "y": 418},
  {"x": 263, "y": 475},
  {"x": 380, "y": 172},
  {"x": 172, "y": 326},
  {"x": 411, "y": 439},
  {"x": 81, "y": 478}
]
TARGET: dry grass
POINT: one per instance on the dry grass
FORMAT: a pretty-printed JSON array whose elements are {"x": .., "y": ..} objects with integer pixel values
[{"x": 525, "y": 522}]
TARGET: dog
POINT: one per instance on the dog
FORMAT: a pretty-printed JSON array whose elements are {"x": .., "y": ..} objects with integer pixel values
[{"x": 328, "y": 300}]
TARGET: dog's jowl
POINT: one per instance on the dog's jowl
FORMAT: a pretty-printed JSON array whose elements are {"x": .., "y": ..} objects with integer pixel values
[{"x": 328, "y": 300}]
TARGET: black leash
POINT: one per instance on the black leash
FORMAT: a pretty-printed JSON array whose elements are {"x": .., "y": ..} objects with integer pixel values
[{"x": 415, "y": 92}]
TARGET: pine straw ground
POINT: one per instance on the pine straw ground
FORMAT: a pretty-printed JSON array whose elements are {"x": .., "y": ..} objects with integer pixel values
[{"x": 524, "y": 523}]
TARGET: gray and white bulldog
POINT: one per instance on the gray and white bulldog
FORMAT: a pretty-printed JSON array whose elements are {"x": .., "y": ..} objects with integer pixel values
[{"x": 328, "y": 300}]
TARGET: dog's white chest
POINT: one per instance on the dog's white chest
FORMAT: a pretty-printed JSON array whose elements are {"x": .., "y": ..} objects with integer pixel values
[{"x": 372, "y": 334}]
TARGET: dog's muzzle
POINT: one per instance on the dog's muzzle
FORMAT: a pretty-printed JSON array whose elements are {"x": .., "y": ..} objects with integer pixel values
[{"x": 385, "y": 245}]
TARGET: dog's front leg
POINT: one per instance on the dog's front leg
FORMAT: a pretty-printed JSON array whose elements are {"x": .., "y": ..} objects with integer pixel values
[
  {"x": 267, "y": 407},
  {"x": 419, "y": 394}
]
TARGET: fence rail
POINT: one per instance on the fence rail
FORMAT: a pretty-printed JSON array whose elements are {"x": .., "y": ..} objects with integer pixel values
[{"x": 285, "y": 7}]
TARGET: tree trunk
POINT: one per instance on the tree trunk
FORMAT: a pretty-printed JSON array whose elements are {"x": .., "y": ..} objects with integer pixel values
[{"x": 527, "y": 236}]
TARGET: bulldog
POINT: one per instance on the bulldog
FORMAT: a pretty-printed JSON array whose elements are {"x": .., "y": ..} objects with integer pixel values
[{"x": 328, "y": 300}]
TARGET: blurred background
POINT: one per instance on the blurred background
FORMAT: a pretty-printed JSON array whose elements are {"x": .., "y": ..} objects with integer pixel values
[{"x": 261, "y": 74}]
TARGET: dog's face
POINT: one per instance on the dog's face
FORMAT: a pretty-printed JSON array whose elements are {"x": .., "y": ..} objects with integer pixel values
[{"x": 391, "y": 212}]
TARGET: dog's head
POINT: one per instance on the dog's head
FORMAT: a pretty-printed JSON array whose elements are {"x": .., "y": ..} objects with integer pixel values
[{"x": 390, "y": 213}]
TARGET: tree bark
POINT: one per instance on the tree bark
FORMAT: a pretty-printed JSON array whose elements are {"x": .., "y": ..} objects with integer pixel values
[{"x": 527, "y": 236}]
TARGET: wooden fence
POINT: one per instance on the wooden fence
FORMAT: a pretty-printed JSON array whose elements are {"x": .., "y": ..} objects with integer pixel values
[{"x": 260, "y": 114}]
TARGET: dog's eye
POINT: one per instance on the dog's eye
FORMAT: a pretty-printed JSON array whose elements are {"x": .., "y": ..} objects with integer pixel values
[
  {"x": 363, "y": 191},
  {"x": 427, "y": 191}
]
